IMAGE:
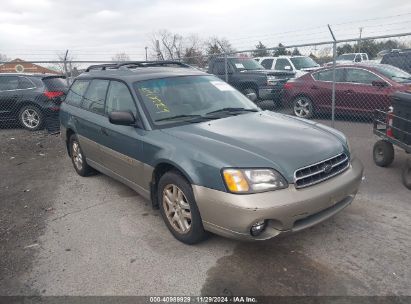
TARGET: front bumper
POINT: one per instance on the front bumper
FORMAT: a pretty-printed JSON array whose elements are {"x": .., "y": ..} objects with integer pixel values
[{"x": 286, "y": 210}]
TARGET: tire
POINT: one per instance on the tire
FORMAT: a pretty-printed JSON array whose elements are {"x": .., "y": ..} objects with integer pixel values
[
  {"x": 267, "y": 105},
  {"x": 249, "y": 90},
  {"x": 383, "y": 153},
  {"x": 181, "y": 215},
  {"x": 77, "y": 157},
  {"x": 31, "y": 118},
  {"x": 303, "y": 107},
  {"x": 406, "y": 174}
]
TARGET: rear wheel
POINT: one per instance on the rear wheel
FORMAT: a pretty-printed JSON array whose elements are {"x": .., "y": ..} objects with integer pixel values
[
  {"x": 179, "y": 209},
  {"x": 249, "y": 90},
  {"x": 406, "y": 174},
  {"x": 267, "y": 105},
  {"x": 77, "y": 157},
  {"x": 383, "y": 153},
  {"x": 303, "y": 107},
  {"x": 31, "y": 118}
]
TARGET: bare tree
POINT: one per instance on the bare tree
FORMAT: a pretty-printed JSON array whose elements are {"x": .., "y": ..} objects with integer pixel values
[
  {"x": 4, "y": 57},
  {"x": 193, "y": 50},
  {"x": 217, "y": 46},
  {"x": 60, "y": 67},
  {"x": 120, "y": 57},
  {"x": 169, "y": 46}
]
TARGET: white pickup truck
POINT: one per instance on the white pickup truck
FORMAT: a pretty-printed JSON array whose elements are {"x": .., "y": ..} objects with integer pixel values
[{"x": 297, "y": 64}]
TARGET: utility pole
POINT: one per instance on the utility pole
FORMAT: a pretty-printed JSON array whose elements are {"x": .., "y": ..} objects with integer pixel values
[
  {"x": 333, "y": 84},
  {"x": 146, "y": 52},
  {"x": 359, "y": 41}
]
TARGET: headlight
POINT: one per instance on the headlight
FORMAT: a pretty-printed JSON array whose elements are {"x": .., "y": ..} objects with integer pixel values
[
  {"x": 253, "y": 180},
  {"x": 271, "y": 80}
]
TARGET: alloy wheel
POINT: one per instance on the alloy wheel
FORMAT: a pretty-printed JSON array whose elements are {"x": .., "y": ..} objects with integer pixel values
[
  {"x": 177, "y": 209},
  {"x": 303, "y": 108},
  {"x": 77, "y": 156},
  {"x": 30, "y": 118}
]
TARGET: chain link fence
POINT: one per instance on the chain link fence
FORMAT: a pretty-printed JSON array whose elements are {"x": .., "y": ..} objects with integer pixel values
[{"x": 337, "y": 82}]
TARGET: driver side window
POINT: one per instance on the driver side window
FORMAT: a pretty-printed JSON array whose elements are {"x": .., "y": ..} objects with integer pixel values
[{"x": 119, "y": 98}]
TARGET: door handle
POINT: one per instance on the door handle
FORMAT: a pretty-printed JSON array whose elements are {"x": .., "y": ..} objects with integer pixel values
[
  {"x": 104, "y": 131},
  {"x": 314, "y": 87},
  {"x": 349, "y": 91}
]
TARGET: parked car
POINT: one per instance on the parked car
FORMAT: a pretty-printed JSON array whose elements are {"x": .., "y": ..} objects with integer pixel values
[
  {"x": 349, "y": 58},
  {"x": 30, "y": 98},
  {"x": 359, "y": 89},
  {"x": 249, "y": 77},
  {"x": 204, "y": 153},
  {"x": 399, "y": 59},
  {"x": 297, "y": 64}
]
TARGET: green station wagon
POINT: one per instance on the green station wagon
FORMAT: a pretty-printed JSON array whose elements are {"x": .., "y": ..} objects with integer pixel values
[{"x": 205, "y": 154}]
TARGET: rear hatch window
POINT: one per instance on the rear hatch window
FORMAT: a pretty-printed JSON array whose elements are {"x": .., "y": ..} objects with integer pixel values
[{"x": 55, "y": 84}]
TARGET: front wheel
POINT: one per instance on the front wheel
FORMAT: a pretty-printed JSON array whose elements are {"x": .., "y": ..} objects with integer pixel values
[
  {"x": 303, "y": 107},
  {"x": 31, "y": 118},
  {"x": 179, "y": 209},
  {"x": 406, "y": 174},
  {"x": 383, "y": 153}
]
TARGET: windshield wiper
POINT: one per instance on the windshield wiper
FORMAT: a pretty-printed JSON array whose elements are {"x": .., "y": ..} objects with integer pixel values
[
  {"x": 231, "y": 110},
  {"x": 179, "y": 116}
]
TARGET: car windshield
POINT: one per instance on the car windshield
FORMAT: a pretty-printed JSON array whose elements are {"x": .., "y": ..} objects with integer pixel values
[
  {"x": 349, "y": 57},
  {"x": 246, "y": 64},
  {"x": 303, "y": 62},
  {"x": 191, "y": 99},
  {"x": 393, "y": 73}
]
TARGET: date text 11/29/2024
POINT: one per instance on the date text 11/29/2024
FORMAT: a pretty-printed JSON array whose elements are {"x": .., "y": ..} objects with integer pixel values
[{"x": 203, "y": 299}]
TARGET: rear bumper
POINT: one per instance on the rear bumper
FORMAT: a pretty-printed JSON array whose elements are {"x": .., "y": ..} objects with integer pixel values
[
  {"x": 286, "y": 210},
  {"x": 270, "y": 93}
]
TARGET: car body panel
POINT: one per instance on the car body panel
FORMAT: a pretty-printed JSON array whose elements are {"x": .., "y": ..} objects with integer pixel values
[
  {"x": 350, "y": 98},
  {"x": 11, "y": 101},
  {"x": 286, "y": 210},
  {"x": 200, "y": 151},
  {"x": 247, "y": 146}
]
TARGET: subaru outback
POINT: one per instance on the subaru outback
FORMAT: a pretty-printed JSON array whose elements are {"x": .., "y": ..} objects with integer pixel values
[{"x": 204, "y": 154}]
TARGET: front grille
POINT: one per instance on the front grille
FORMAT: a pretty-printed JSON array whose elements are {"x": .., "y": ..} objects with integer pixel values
[{"x": 316, "y": 173}]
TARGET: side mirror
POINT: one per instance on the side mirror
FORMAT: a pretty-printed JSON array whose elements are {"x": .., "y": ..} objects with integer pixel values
[
  {"x": 252, "y": 96},
  {"x": 122, "y": 118},
  {"x": 379, "y": 83},
  {"x": 288, "y": 68},
  {"x": 358, "y": 59}
]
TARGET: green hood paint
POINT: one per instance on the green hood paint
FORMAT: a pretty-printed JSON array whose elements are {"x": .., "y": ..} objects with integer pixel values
[{"x": 262, "y": 139}]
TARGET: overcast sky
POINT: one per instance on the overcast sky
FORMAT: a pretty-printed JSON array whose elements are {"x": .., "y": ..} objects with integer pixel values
[{"x": 38, "y": 29}]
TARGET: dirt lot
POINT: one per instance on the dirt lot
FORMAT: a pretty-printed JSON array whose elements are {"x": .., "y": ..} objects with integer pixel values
[{"x": 61, "y": 234}]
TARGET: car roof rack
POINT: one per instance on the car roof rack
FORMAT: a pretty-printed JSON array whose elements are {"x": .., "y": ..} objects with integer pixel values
[
  {"x": 101, "y": 66},
  {"x": 136, "y": 64}
]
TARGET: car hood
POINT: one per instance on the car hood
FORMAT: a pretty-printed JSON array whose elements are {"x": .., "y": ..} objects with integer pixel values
[{"x": 263, "y": 139}]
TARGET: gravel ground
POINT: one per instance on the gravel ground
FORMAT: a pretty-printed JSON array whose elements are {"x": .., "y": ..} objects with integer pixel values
[{"x": 61, "y": 234}]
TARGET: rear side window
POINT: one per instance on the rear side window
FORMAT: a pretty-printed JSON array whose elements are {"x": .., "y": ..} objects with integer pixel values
[
  {"x": 327, "y": 75},
  {"x": 361, "y": 76},
  {"x": 8, "y": 83},
  {"x": 76, "y": 92},
  {"x": 280, "y": 64},
  {"x": 267, "y": 63},
  {"x": 25, "y": 83},
  {"x": 119, "y": 98},
  {"x": 55, "y": 83},
  {"x": 95, "y": 96}
]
